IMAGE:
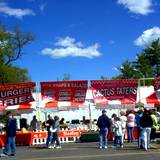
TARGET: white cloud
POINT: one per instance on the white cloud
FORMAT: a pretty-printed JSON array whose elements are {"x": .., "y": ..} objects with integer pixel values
[
  {"x": 18, "y": 13},
  {"x": 143, "y": 7},
  {"x": 68, "y": 42},
  {"x": 148, "y": 36},
  {"x": 69, "y": 47}
]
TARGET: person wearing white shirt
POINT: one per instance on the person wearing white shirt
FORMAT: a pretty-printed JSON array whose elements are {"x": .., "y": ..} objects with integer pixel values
[
  {"x": 123, "y": 119},
  {"x": 118, "y": 132},
  {"x": 130, "y": 126}
]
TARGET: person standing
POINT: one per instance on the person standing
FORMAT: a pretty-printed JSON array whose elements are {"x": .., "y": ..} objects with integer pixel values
[
  {"x": 104, "y": 124},
  {"x": 154, "y": 126},
  {"x": 113, "y": 117},
  {"x": 10, "y": 129},
  {"x": 34, "y": 124},
  {"x": 139, "y": 114},
  {"x": 123, "y": 119},
  {"x": 118, "y": 132},
  {"x": 55, "y": 129},
  {"x": 130, "y": 126},
  {"x": 61, "y": 121},
  {"x": 49, "y": 123},
  {"x": 146, "y": 123}
]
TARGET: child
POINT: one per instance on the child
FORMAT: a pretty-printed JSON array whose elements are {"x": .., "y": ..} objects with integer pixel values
[{"x": 118, "y": 132}]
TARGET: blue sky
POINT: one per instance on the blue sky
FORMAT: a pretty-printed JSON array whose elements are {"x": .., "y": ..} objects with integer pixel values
[{"x": 83, "y": 38}]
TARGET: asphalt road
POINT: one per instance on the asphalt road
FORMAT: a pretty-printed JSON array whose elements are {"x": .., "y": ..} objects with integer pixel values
[{"x": 86, "y": 151}]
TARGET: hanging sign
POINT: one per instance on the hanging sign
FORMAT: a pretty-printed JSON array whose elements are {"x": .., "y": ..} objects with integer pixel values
[
  {"x": 64, "y": 91},
  {"x": 114, "y": 91},
  {"x": 16, "y": 93}
]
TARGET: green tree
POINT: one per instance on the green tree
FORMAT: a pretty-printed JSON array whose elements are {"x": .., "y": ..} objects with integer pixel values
[
  {"x": 142, "y": 67},
  {"x": 127, "y": 70},
  {"x": 152, "y": 54},
  {"x": 147, "y": 64},
  {"x": 11, "y": 46},
  {"x": 10, "y": 74}
]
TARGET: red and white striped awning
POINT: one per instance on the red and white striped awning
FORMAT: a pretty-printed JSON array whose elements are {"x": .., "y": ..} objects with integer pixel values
[
  {"x": 123, "y": 101},
  {"x": 154, "y": 98},
  {"x": 55, "y": 104},
  {"x": 17, "y": 107}
]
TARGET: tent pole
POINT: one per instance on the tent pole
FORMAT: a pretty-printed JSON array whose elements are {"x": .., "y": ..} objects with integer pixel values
[
  {"x": 37, "y": 100},
  {"x": 90, "y": 115}
]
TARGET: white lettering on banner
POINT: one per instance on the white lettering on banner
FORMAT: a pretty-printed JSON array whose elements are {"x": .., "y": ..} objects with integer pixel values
[
  {"x": 113, "y": 92},
  {"x": 107, "y": 92},
  {"x": 96, "y": 94},
  {"x": 18, "y": 100},
  {"x": 64, "y": 93},
  {"x": 64, "y": 99},
  {"x": 126, "y": 90},
  {"x": 65, "y": 84},
  {"x": 50, "y": 93},
  {"x": 15, "y": 92},
  {"x": 71, "y": 133},
  {"x": 100, "y": 100},
  {"x": 80, "y": 93},
  {"x": 79, "y": 99}
]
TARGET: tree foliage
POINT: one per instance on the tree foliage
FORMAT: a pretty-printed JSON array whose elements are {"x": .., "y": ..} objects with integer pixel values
[
  {"x": 11, "y": 45},
  {"x": 11, "y": 74},
  {"x": 147, "y": 64}
]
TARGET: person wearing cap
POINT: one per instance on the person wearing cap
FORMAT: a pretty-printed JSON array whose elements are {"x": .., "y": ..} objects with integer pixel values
[
  {"x": 104, "y": 124},
  {"x": 10, "y": 129}
]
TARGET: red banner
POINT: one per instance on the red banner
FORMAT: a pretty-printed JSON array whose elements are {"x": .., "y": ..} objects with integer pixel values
[
  {"x": 71, "y": 133},
  {"x": 108, "y": 90},
  {"x": 156, "y": 83},
  {"x": 70, "y": 91},
  {"x": 16, "y": 93}
]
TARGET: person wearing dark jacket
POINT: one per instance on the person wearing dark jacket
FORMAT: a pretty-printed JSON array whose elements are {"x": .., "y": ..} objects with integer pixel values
[
  {"x": 11, "y": 127},
  {"x": 104, "y": 124},
  {"x": 55, "y": 128},
  {"x": 50, "y": 122},
  {"x": 139, "y": 128},
  {"x": 146, "y": 123}
]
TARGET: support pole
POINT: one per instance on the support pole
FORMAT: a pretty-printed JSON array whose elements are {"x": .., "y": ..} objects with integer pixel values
[
  {"x": 139, "y": 92},
  {"x": 90, "y": 115}
]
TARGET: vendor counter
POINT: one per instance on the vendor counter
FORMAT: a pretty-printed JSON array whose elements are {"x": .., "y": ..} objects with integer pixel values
[
  {"x": 22, "y": 138},
  {"x": 66, "y": 136},
  {"x": 33, "y": 138}
]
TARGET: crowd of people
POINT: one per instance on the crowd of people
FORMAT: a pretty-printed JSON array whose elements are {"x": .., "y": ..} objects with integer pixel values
[
  {"x": 52, "y": 125},
  {"x": 144, "y": 120}
]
